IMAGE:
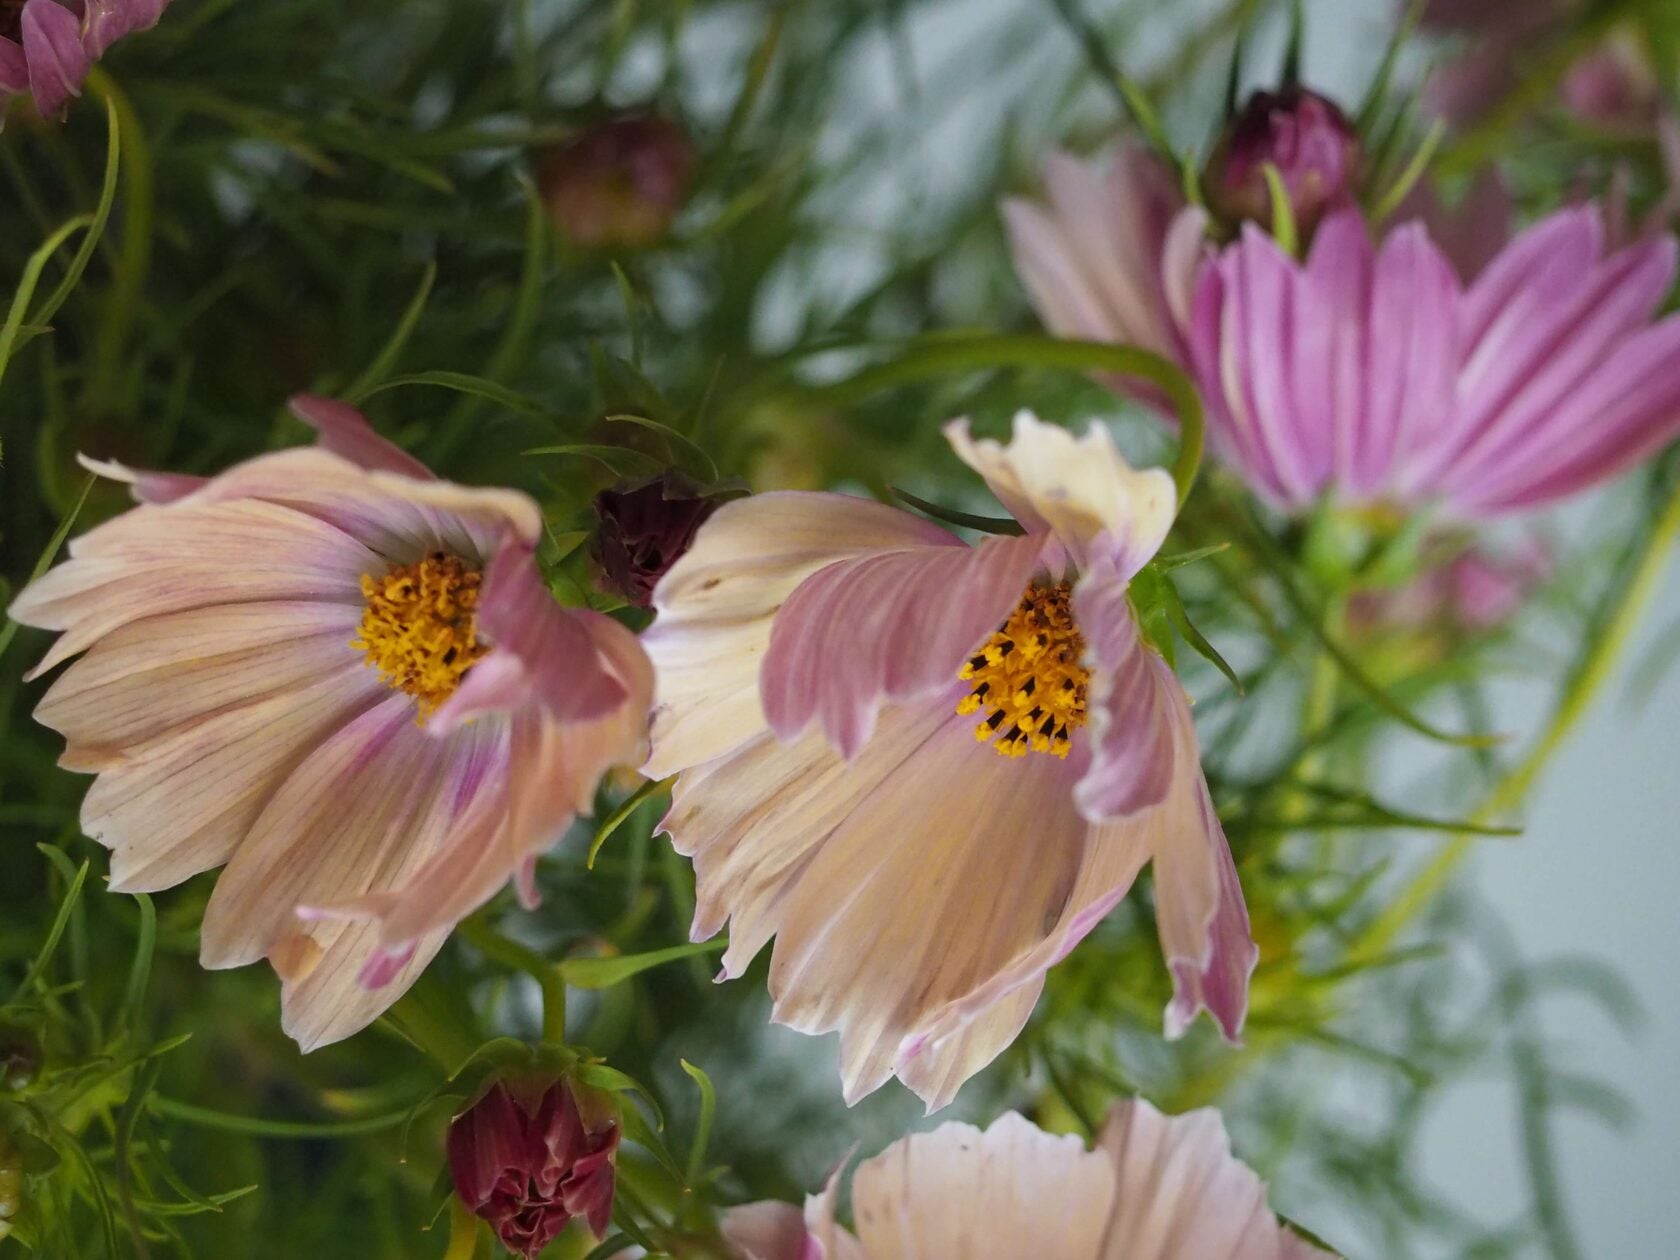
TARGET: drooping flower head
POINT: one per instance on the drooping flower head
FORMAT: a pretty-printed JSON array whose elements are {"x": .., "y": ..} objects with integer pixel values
[
  {"x": 344, "y": 681},
  {"x": 618, "y": 183},
  {"x": 47, "y": 47},
  {"x": 644, "y": 529},
  {"x": 1155, "y": 1188},
  {"x": 1306, "y": 138},
  {"x": 928, "y": 768},
  {"x": 529, "y": 1156}
]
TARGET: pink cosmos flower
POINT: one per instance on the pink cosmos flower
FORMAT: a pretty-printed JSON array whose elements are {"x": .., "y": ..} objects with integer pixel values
[
  {"x": 837, "y": 679},
  {"x": 345, "y": 681},
  {"x": 1370, "y": 372},
  {"x": 1155, "y": 1188},
  {"x": 47, "y": 47},
  {"x": 1476, "y": 590}
]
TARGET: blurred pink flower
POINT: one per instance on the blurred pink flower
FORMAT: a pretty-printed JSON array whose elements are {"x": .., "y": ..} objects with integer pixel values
[
  {"x": 1478, "y": 589},
  {"x": 1112, "y": 253},
  {"x": 527, "y": 1159},
  {"x": 344, "y": 680},
  {"x": 837, "y": 679},
  {"x": 1155, "y": 1188},
  {"x": 47, "y": 47},
  {"x": 1374, "y": 375},
  {"x": 620, "y": 183}
]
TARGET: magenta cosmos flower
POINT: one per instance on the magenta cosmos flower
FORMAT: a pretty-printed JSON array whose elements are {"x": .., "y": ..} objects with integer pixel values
[
  {"x": 1155, "y": 1188},
  {"x": 345, "y": 681},
  {"x": 47, "y": 47},
  {"x": 1369, "y": 371},
  {"x": 927, "y": 768}
]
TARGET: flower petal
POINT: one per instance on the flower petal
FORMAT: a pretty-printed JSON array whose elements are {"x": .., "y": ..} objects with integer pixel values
[
  {"x": 893, "y": 625},
  {"x": 1131, "y": 729},
  {"x": 346, "y": 432},
  {"x": 1199, "y": 906},
  {"x": 1013, "y": 1190},
  {"x": 1180, "y": 1192},
  {"x": 1078, "y": 488},
  {"x": 717, "y": 603},
  {"x": 107, "y": 21},
  {"x": 58, "y": 61},
  {"x": 323, "y": 998}
]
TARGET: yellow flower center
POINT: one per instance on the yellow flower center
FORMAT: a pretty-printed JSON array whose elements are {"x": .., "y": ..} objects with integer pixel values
[
  {"x": 419, "y": 630},
  {"x": 1029, "y": 677}
]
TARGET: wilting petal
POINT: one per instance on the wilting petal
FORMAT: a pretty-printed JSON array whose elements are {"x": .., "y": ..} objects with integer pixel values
[
  {"x": 716, "y": 606},
  {"x": 1131, "y": 703},
  {"x": 934, "y": 1067},
  {"x": 1199, "y": 906},
  {"x": 950, "y": 870},
  {"x": 58, "y": 61},
  {"x": 1077, "y": 488},
  {"x": 1013, "y": 1190},
  {"x": 894, "y": 625},
  {"x": 324, "y": 997},
  {"x": 346, "y": 432},
  {"x": 1180, "y": 1192},
  {"x": 146, "y": 486}
]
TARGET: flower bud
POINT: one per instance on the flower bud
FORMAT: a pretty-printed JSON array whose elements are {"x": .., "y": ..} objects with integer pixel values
[
  {"x": 645, "y": 528},
  {"x": 21, "y": 1057},
  {"x": 618, "y": 185},
  {"x": 1306, "y": 137},
  {"x": 528, "y": 1159}
]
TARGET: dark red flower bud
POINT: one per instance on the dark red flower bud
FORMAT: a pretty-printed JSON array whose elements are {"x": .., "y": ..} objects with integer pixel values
[
  {"x": 529, "y": 1160},
  {"x": 618, "y": 185},
  {"x": 645, "y": 528},
  {"x": 1306, "y": 137}
]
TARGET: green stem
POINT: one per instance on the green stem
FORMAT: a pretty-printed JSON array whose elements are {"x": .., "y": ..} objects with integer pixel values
[
  {"x": 425, "y": 1021},
  {"x": 135, "y": 254},
  {"x": 1595, "y": 671},
  {"x": 510, "y": 953}
]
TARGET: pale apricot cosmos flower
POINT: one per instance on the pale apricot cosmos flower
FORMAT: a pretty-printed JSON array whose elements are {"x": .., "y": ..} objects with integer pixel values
[
  {"x": 1155, "y": 1188},
  {"x": 929, "y": 769},
  {"x": 345, "y": 681},
  {"x": 47, "y": 47}
]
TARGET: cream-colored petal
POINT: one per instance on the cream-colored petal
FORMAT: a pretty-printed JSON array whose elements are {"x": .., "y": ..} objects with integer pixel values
[
  {"x": 1082, "y": 489},
  {"x": 157, "y": 675},
  {"x": 322, "y": 997},
  {"x": 1180, "y": 1192},
  {"x": 181, "y": 803},
  {"x": 935, "y": 1069},
  {"x": 1013, "y": 1191},
  {"x": 716, "y": 605},
  {"x": 374, "y": 800},
  {"x": 928, "y": 890},
  {"x": 152, "y": 561},
  {"x": 766, "y": 1231}
]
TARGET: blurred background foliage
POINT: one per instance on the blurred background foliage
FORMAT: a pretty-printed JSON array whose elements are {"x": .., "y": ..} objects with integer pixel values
[{"x": 351, "y": 200}]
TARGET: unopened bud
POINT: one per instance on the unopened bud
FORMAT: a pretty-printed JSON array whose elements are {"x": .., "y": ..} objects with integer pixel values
[
  {"x": 1310, "y": 142},
  {"x": 21, "y": 1057},
  {"x": 620, "y": 183},
  {"x": 528, "y": 1159},
  {"x": 645, "y": 528}
]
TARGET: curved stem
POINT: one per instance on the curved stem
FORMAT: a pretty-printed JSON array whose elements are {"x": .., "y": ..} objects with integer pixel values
[
  {"x": 511, "y": 953},
  {"x": 135, "y": 254}
]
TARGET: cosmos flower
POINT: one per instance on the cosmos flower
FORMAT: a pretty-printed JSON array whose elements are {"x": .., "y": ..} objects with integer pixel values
[
  {"x": 620, "y": 183},
  {"x": 927, "y": 768},
  {"x": 344, "y": 681},
  {"x": 47, "y": 47},
  {"x": 528, "y": 1158},
  {"x": 1372, "y": 373},
  {"x": 1155, "y": 1188}
]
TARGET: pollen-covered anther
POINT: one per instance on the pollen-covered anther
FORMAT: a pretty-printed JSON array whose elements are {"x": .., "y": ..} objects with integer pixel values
[
  {"x": 1029, "y": 677},
  {"x": 420, "y": 627}
]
